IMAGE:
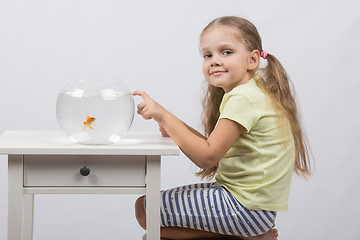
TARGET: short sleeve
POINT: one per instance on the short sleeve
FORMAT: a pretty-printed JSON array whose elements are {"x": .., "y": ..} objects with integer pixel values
[{"x": 238, "y": 108}]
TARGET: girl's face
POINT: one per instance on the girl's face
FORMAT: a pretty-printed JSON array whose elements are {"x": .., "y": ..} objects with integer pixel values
[{"x": 227, "y": 63}]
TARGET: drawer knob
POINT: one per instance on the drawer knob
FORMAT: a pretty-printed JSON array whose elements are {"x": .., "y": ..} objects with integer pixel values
[{"x": 85, "y": 171}]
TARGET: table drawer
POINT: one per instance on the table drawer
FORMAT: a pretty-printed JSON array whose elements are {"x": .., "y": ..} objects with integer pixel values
[{"x": 64, "y": 171}]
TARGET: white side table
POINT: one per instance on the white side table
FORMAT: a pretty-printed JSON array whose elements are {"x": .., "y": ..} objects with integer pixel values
[{"x": 47, "y": 162}]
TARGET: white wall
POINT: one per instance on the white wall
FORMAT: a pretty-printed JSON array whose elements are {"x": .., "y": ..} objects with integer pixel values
[{"x": 153, "y": 46}]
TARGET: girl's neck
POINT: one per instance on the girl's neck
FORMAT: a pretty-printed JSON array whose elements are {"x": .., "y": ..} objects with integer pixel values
[{"x": 244, "y": 81}]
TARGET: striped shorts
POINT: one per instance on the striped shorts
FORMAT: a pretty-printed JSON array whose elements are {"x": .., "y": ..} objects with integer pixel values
[{"x": 208, "y": 207}]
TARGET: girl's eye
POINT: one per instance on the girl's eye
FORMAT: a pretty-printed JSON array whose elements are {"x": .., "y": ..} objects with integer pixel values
[
  {"x": 208, "y": 55},
  {"x": 227, "y": 52}
]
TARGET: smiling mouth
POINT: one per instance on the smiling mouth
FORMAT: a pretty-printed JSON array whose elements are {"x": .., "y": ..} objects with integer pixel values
[{"x": 217, "y": 73}]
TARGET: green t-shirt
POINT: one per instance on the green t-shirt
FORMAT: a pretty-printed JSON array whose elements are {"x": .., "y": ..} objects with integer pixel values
[{"x": 257, "y": 169}]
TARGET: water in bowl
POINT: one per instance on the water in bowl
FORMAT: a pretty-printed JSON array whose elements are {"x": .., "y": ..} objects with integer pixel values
[{"x": 95, "y": 118}]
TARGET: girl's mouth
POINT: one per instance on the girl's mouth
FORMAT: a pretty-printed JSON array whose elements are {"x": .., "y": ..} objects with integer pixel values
[{"x": 217, "y": 73}]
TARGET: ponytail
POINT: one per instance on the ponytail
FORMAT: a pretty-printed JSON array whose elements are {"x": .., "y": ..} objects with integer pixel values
[
  {"x": 211, "y": 104},
  {"x": 278, "y": 87}
]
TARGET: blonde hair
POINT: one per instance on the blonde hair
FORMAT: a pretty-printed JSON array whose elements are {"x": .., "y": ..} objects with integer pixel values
[{"x": 275, "y": 83}]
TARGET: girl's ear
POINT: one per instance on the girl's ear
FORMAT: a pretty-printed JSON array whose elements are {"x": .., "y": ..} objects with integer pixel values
[{"x": 254, "y": 60}]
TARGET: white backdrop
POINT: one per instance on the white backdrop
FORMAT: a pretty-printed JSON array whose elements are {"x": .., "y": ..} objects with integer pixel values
[{"x": 153, "y": 46}]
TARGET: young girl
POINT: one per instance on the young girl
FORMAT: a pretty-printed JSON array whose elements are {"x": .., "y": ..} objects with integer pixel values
[{"x": 253, "y": 140}]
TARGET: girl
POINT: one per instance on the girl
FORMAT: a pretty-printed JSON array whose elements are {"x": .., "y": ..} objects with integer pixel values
[{"x": 253, "y": 140}]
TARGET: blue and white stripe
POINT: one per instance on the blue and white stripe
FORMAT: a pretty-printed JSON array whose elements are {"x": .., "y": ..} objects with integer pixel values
[{"x": 208, "y": 207}]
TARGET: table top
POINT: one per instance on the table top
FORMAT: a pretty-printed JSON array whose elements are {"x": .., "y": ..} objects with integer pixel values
[{"x": 56, "y": 142}]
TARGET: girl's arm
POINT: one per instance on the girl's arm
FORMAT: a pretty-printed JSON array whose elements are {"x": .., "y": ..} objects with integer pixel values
[
  {"x": 164, "y": 133},
  {"x": 205, "y": 153}
]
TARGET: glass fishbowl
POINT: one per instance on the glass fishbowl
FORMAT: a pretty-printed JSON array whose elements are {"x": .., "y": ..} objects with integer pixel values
[{"x": 95, "y": 111}]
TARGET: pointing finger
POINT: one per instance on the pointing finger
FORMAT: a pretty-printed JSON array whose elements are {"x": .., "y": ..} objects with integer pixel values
[{"x": 141, "y": 94}]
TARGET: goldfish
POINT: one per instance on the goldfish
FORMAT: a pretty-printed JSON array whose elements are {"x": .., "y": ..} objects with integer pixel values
[{"x": 89, "y": 121}]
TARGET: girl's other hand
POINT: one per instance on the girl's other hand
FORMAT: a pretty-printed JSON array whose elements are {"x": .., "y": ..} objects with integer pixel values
[
  {"x": 163, "y": 131},
  {"x": 149, "y": 109}
]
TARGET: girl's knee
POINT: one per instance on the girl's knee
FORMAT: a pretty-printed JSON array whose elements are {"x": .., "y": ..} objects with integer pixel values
[{"x": 140, "y": 212}]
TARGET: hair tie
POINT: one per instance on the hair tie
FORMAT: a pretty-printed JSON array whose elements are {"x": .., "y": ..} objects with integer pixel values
[{"x": 264, "y": 54}]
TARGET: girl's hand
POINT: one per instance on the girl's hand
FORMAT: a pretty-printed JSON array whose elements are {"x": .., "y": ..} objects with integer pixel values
[
  {"x": 149, "y": 109},
  {"x": 163, "y": 131}
]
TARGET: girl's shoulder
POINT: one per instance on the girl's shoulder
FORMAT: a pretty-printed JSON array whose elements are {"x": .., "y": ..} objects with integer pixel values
[{"x": 249, "y": 90}]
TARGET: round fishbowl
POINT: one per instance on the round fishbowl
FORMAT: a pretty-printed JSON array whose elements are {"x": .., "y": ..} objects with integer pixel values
[{"x": 95, "y": 111}]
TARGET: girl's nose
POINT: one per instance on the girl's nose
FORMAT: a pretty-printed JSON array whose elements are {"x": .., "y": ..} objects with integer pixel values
[{"x": 216, "y": 61}]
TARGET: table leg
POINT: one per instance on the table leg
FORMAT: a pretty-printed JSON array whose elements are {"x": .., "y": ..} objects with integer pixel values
[
  {"x": 20, "y": 206},
  {"x": 153, "y": 197},
  {"x": 28, "y": 201},
  {"x": 15, "y": 197}
]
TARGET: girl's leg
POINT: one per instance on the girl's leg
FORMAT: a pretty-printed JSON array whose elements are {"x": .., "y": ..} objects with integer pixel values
[
  {"x": 171, "y": 232},
  {"x": 187, "y": 233},
  {"x": 140, "y": 212}
]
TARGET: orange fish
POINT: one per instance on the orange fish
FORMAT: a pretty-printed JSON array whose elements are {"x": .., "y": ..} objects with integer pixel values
[{"x": 89, "y": 121}]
